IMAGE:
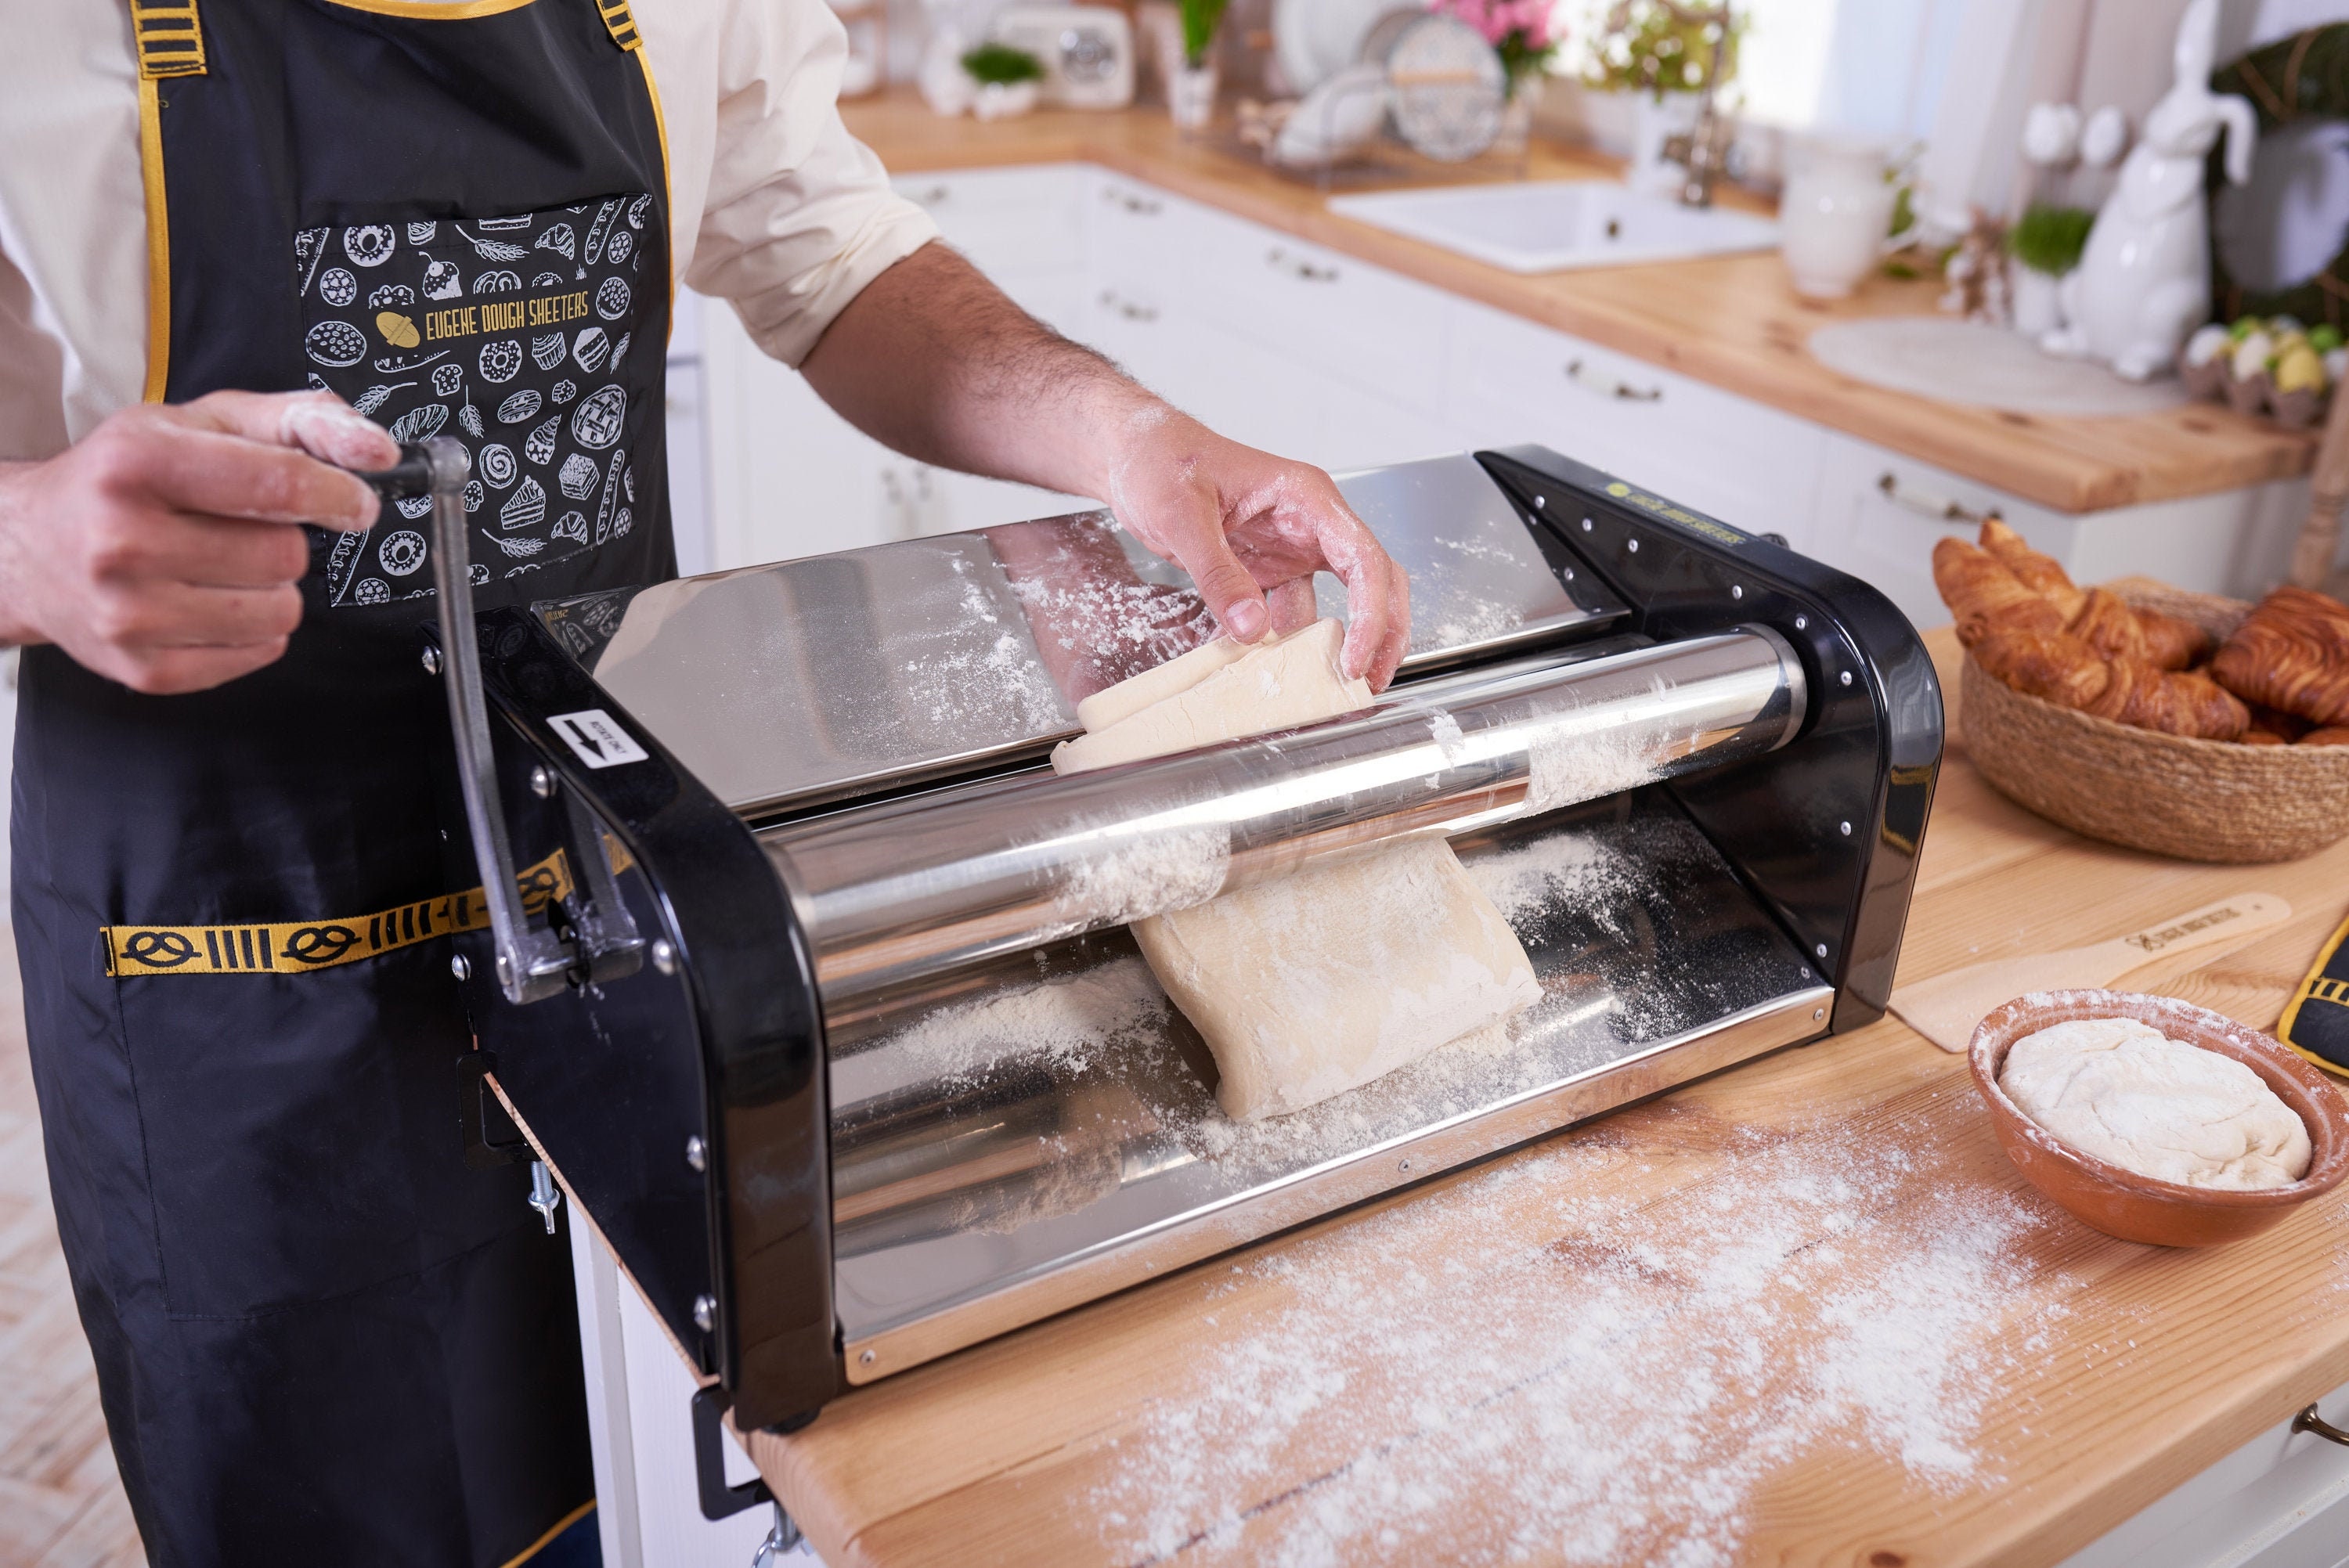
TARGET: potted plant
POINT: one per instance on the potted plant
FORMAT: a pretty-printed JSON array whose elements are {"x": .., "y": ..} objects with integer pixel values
[
  {"x": 1662, "y": 52},
  {"x": 1191, "y": 86},
  {"x": 1524, "y": 33},
  {"x": 2045, "y": 243},
  {"x": 1009, "y": 80}
]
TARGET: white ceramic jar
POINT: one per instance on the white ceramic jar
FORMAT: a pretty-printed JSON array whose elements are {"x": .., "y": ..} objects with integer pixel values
[{"x": 1834, "y": 215}]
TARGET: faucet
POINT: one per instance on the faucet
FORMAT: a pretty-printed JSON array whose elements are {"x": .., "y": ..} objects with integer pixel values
[{"x": 1703, "y": 150}]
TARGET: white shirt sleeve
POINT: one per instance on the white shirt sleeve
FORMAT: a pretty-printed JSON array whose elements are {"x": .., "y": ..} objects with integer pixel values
[{"x": 797, "y": 215}]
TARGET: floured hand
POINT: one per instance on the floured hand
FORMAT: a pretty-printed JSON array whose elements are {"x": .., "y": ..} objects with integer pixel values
[
  {"x": 162, "y": 548},
  {"x": 1252, "y": 530}
]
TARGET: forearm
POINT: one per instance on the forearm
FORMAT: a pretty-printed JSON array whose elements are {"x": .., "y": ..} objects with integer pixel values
[
  {"x": 16, "y": 628},
  {"x": 934, "y": 360}
]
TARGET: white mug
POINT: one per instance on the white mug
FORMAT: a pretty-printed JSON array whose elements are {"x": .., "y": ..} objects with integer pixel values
[{"x": 1834, "y": 217}]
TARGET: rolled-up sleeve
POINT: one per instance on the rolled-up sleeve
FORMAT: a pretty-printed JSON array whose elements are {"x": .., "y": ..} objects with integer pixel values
[{"x": 799, "y": 215}]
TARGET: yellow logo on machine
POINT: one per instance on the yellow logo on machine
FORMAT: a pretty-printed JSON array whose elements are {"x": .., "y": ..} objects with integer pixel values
[
  {"x": 295, "y": 948},
  {"x": 1681, "y": 515}
]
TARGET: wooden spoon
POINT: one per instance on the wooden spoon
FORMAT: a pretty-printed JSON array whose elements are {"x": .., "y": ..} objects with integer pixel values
[{"x": 1945, "y": 1008}]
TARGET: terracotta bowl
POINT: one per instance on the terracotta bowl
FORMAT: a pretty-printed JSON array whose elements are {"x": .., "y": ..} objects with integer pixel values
[{"x": 2138, "y": 1208}]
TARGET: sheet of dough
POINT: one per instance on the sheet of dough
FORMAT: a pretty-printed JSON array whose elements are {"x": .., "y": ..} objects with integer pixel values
[
  {"x": 1322, "y": 981},
  {"x": 1271, "y": 685},
  {"x": 1179, "y": 674}
]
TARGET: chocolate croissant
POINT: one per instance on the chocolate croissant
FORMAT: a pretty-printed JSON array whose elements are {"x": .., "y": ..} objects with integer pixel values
[
  {"x": 2062, "y": 669},
  {"x": 2292, "y": 651},
  {"x": 2163, "y": 640}
]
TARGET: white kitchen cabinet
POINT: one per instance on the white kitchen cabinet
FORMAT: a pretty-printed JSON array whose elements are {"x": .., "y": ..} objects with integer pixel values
[
  {"x": 1751, "y": 465},
  {"x": 1301, "y": 351},
  {"x": 1879, "y": 515}
]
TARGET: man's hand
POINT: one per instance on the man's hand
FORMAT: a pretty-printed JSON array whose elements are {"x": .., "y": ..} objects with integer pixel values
[
  {"x": 161, "y": 549},
  {"x": 1242, "y": 522},
  {"x": 932, "y": 359}
]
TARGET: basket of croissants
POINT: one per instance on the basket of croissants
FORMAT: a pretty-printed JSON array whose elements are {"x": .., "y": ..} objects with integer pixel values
[{"x": 2185, "y": 724}]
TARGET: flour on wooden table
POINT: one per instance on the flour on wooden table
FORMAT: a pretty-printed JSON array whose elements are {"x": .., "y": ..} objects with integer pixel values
[{"x": 1435, "y": 1387}]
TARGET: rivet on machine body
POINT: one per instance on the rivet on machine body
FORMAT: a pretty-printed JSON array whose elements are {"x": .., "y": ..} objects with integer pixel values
[
  {"x": 697, "y": 1153},
  {"x": 1540, "y": 501},
  {"x": 1402, "y": 1165},
  {"x": 460, "y": 967},
  {"x": 1632, "y": 545},
  {"x": 1802, "y": 623},
  {"x": 432, "y": 661},
  {"x": 663, "y": 956},
  {"x": 1736, "y": 591},
  {"x": 1585, "y": 525},
  {"x": 542, "y": 782},
  {"x": 1817, "y": 1013},
  {"x": 1847, "y": 829},
  {"x": 1845, "y": 678},
  {"x": 705, "y": 1313},
  {"x": 867, "y": 1357},
  {"x": 1821, "y": 950}
]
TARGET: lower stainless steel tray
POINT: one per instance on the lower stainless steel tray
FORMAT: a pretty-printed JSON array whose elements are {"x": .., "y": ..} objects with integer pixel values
[{"x": 1042, "y": 1131}]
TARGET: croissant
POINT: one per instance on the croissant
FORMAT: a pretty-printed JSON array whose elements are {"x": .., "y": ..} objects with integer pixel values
[
  {"x": 1985, "y": 596},
  {"x": 2038, "y": 573},
  {"x": 2062, "y": 669},
  {"x": 2292, "y": 651},
  {"x": 2163, "y": 640},
  {"x": 2332, "y": 735},
  {"x": 2111, "y": 627}
]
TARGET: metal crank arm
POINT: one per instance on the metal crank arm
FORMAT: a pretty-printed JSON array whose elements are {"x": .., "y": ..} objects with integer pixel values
[{"x": 533, "y": 962}]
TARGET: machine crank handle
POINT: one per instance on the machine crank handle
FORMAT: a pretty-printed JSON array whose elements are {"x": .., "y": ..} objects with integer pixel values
[{"x": 533, "y": 963}]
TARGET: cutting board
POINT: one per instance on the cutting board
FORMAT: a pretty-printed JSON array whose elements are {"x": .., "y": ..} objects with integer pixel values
[{"x": 1945, "y": 1008}]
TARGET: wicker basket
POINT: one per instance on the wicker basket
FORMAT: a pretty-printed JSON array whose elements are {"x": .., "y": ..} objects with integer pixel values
[{"x": 2196, "y": 800}]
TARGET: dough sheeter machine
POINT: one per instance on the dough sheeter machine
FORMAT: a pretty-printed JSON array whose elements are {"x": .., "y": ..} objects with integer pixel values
[{"x": 817, "y": 993}]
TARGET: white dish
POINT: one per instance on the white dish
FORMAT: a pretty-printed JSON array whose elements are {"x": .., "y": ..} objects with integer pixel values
[
  {"x": 1447, "y": 87},
  {"x": 1556, "y": 225},
  {"x": 1335, "y": 117}
]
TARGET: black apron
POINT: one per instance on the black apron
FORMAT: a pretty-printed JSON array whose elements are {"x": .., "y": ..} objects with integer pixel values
[{"x": 320, "y": 1336}]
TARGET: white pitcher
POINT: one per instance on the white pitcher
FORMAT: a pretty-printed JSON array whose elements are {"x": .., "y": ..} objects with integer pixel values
[{"x": 1833, "y": 219}]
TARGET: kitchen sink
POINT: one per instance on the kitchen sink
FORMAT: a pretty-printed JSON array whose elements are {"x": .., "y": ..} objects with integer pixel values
[{"x": 1554, "y": 225}]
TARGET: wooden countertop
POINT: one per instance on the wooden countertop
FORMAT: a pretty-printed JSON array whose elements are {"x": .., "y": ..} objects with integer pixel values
[
  {"x": 1730, "y": 321},
  {"x": 2125, "y": 1369}
]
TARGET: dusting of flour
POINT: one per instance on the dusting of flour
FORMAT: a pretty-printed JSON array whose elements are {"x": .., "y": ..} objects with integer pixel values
[
  {"x": 1074, "y": 1024},
  {"x": 1447, "y": 1388}
]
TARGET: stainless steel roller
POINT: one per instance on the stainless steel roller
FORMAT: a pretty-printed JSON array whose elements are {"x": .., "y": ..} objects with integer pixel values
[{"x": 893, "y": 894}]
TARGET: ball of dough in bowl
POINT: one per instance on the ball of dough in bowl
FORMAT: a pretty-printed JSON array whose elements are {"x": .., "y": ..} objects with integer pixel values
[{"x": 2121, "y": 1092}]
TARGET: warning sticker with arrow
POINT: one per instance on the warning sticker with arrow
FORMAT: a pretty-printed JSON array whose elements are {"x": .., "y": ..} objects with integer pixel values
[{"x": 598, "y": 740}]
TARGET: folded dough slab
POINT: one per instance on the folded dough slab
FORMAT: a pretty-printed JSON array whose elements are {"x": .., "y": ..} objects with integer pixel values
[
  {"x": 1317, "y": 982},
  {"x": 889, "y": 1068}
]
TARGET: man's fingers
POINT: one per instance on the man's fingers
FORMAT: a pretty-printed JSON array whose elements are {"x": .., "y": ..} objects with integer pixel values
[
  {"x": 1292, "y": 604},
  {"x": 187, "y": 615},
  {"x": 214, "y": 552},
  {"x": 244, "y": 454},
  {"x": 318, "y": 423},
  {"x": 1397, "y": 642},
  {"x": 1232, "y": 595},
  {"x": 168, "y": 672}
]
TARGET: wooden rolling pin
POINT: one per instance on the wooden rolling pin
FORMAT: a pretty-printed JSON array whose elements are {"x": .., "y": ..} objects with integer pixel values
[{"x": 1945, "y": 1008}]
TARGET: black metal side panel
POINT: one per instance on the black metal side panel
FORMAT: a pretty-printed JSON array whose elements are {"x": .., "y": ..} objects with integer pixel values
[
  {"x": 1828, "y": 829},
  {"x": 613, "y": 1078}
]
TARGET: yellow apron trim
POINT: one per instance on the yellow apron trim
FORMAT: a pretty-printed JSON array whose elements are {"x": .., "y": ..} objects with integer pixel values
[
  {"x": 298, "y": 947},
  {"x": 434, "y": 10},
  {"x": 2318, "y": 986},
  {"x": 669, "y": 188},
  {"x": 159, "y": 240},
  {"x": 620, "y": 24},
  {"x": 169, "y": 38},
  {"x": 560, "y": 1525}
]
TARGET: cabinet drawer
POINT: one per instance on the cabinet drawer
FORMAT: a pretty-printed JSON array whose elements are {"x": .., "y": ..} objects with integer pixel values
[
  {"x": 1007, "y": 220},
  {"x": 1880, "y": 514},
  {"x": 1751, "y": 466},
  {"x": 1381, "y": 333},
  {"x": 1141, "y": 235}
]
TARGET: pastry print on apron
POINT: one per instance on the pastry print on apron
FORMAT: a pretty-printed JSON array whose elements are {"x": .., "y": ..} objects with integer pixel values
[{"x": 513, "y": 333}]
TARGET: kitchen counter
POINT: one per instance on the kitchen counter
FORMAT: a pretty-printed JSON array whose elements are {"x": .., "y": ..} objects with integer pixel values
[
  {"x": 1730, "y": 321},
  {"x": 2080, "y": 1377}
]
